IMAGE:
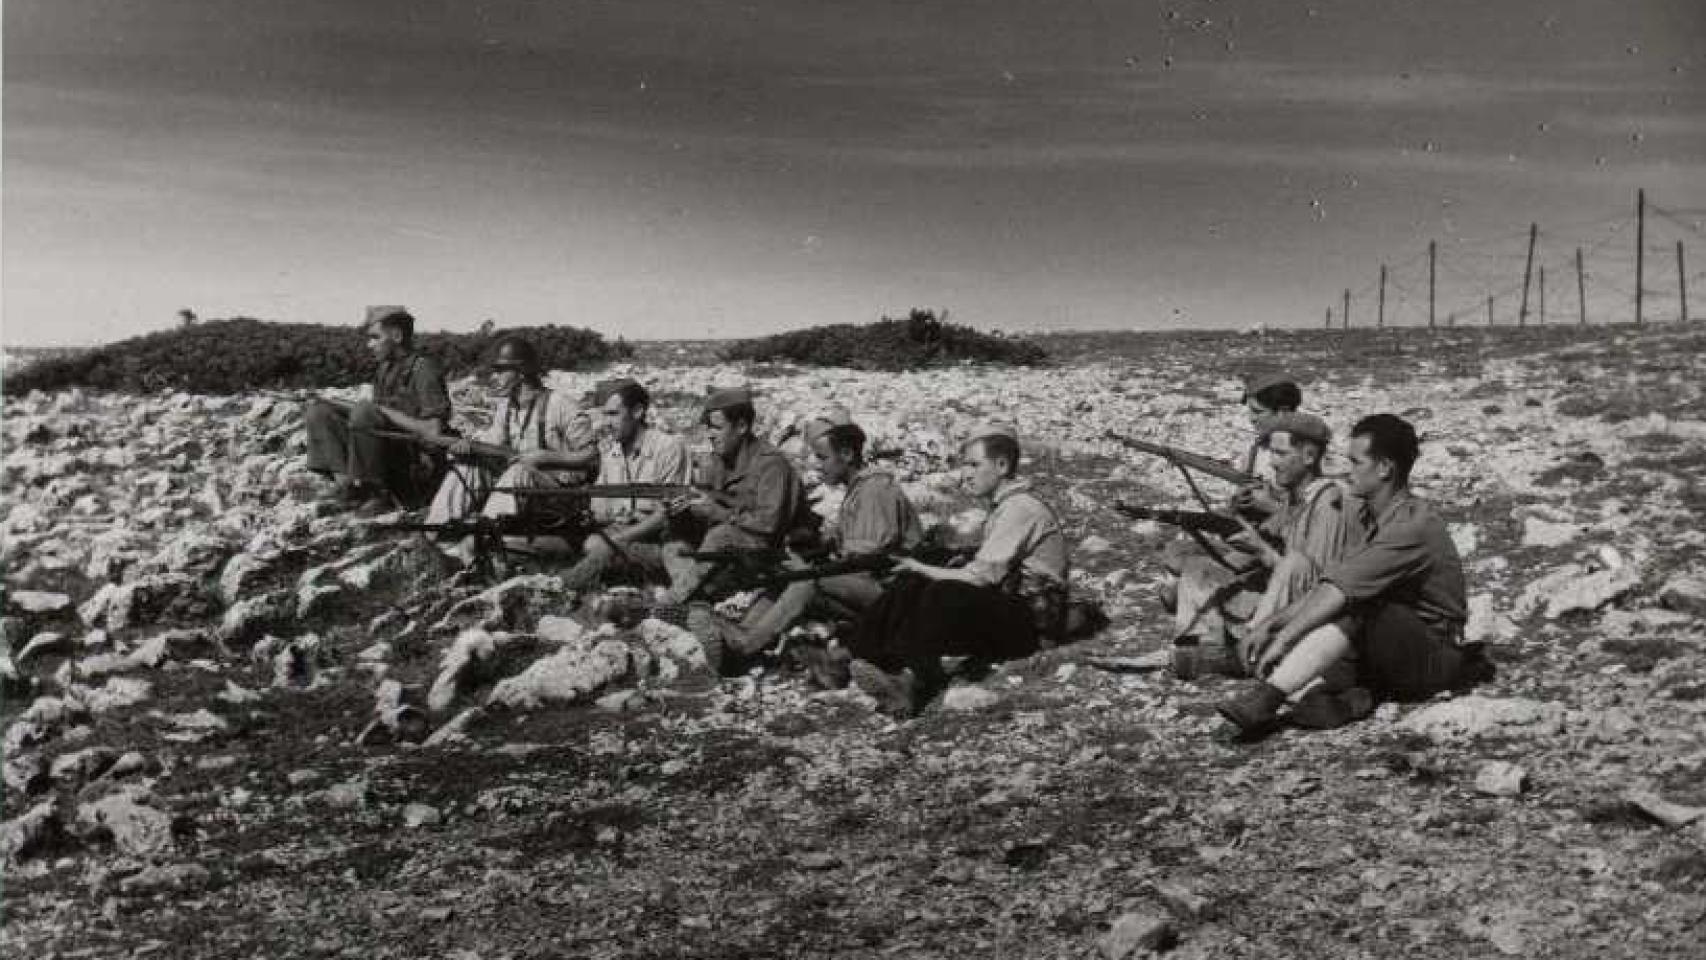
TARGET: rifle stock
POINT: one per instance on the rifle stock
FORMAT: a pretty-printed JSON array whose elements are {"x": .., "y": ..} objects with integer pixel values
[{"x": 1185, "y": 458}]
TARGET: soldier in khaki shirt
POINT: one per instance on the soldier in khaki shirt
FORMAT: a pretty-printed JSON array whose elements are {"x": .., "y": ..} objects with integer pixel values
[
  {"x": 1002, "y": 605},
  {"x": 1394, "y": 604}
]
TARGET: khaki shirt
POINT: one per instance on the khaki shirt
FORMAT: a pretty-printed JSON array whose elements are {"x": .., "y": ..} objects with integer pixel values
[
  {"x": 876, "y": 516},
  {"x": 1404, "y": 556},
  {"x": 657, "y": 457},
  {"x": 413, "y": 384},
  {"x": 1315, "y": 523},
  {"x": 761, "y": 489},
  {"x": 551, "y": 421},
  {"x": 1021, "y": 539}
]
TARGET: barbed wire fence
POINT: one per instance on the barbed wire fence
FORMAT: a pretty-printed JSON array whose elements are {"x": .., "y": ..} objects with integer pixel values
[{"x": 1630, "y": 267}]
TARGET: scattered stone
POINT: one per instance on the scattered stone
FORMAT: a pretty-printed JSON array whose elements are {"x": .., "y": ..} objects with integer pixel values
[
  {"x": 116, "y": 694},
  {"x": 301, "y": 778},
  {"x": 38, "y": 601},
  {"x": 417, "y": 815},
  {"x": 1475, "y": 716},
  {"x": 570, "y": 675},
  {"x": 1672, "y": 815},
  {"x": 1145, "y": 929},
  {"x": 969, "y": 698},
  {"x": 38, "y": 830},
  {"x": 81, "y": 766},
  {"x": 348, "y": 795},
  {"x": 136, "y": 828},
  {"x": 1537, "y": 532},
  {"x": 1184, "y": 903},
  {"x": 131, "y": 763},
  {"x": 1685, "y": 593},
  {"x": 26, "y": 773},
  {"x": 171, "y": 878},
  {"x": 1498, "y": 778},
  {"x": 456, "y": 731},
  {"x": 1094, "y": 544}
]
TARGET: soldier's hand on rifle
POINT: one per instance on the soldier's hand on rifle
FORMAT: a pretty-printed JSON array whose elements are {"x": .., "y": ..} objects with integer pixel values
[
  {"x": 1256, "y": 499},
  {"x": 1250, "y": 539}
]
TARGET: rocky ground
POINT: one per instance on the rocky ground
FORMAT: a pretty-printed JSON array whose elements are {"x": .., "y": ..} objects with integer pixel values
[{"x": 213, "y": 682}]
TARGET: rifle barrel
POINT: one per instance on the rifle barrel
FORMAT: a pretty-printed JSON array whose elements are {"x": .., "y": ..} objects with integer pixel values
[
  {"x": 444, "y": 443},
  {"x": 1186, "y": 458},
  {"x": 604, "y": 491}
]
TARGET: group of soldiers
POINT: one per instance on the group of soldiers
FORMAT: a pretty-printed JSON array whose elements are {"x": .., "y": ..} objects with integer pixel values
[{"x": 1333, "y": 593}]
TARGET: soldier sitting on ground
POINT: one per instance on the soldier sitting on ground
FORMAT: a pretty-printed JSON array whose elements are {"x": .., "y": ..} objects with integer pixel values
[
  {"x": 751, "y": 499},
  {"x": 875, "y": 517},
  {"x": 1287, "y": 550},
  {"x": 375, "y": 472},
  {"x": 635, "y": 528},
  {"x": 553, "y": 439},
  {"x": 1200, "y": 589},
  {"x": 1389, "y": 613},
  {"x": 1008, "y": 601}
]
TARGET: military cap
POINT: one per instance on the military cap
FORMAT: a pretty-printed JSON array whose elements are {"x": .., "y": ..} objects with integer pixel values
[
  {"x": 816, "y": 427},
  {"x": 991, "y": 429},
  {"x": 1302, "y": 426},
  {"x": 1265, "y": 381},
  {"x": 376, "y": 314},
  {"x": 725, "y": 398},
  {"x": 603, "y": 389}
]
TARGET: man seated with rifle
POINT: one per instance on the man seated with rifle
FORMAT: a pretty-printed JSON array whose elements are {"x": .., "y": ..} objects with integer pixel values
[
  {"x": 1286, "y": 551},
  {"x": 875, "y": 525},
  {"x": 1205, "y": 573},
  {"x": 539, "y": 439},
  {"x": 632, "y": 529},
  {"x": 1389, "y": 613},
  {"x": 1008, "y": 601},
  {"x": 358, "y": 444},
  {"x": 749, "y": 501}
]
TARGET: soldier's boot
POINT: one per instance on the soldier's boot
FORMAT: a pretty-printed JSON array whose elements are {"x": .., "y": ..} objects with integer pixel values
[{"x": 1255, "y": 712}]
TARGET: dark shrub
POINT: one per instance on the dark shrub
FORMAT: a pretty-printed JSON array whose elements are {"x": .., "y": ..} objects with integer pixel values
[
  {"x": 918, "y": 341},
  {"x": 233, "y": 356}
]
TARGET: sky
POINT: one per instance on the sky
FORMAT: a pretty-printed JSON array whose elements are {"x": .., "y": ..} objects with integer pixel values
[{"x": 693, "y": 168}]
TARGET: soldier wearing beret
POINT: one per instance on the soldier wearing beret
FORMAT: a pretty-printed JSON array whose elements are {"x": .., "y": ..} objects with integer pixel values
[
  {"x": 1390, "y": 611},
  {"x": 1288, "y": 549},
  {"x": 409, "y": 394},
  {"x": 752, "y": 496},
  {"x": 1005, "y": 603}
]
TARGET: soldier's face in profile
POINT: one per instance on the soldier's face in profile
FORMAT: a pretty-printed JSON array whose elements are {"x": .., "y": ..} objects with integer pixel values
[
  {"x": 725, "y": 435},
  {"x": 1290, "y": 459},
  {"x": 1255, "y": 409},
  {"x": 1367, "y": 473},
  {"x": 832, "y": 463},
  {"x": 382, "y": 341},
  {"x": 983, "y": 474}
]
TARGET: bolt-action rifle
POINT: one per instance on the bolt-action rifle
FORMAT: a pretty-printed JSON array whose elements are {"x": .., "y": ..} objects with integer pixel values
[
  {"x": 1185, "y": 459},
  {"x": 1218, "y": 524}
]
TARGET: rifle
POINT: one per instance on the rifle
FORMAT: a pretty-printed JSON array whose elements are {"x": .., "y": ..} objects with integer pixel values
[
  {"x": 864, "y": 563},
  {"x": 605, "y": 491},
  {"x": 1201, "y": 520},
  {"x": 483, "y": 451},
  {"x": 1185, "y": 459}
]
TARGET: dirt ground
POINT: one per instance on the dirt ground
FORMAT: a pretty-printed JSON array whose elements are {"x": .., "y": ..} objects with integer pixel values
[{"x": 763, "y": 819}]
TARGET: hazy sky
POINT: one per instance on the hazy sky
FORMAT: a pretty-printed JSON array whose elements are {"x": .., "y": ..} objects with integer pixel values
[{"x": 690, "y": 167}]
